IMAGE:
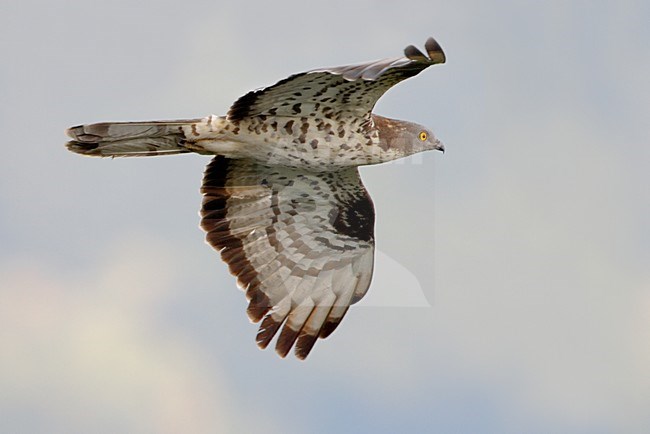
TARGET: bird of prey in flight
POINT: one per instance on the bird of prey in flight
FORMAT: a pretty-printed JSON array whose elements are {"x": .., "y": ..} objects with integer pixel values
[{"x": 283, "y": 202}]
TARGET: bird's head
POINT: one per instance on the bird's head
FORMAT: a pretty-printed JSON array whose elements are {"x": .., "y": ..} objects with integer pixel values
[{"x": 401, "y": 138}]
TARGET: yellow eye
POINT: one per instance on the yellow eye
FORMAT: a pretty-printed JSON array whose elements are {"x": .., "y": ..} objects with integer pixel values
[{"x": 423, "y": 135}]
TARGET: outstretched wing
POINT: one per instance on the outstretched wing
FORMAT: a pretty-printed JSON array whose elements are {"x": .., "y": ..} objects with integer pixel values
[
  {"x": 301, "y": 244},
  {"x": 336, "y": 92}
]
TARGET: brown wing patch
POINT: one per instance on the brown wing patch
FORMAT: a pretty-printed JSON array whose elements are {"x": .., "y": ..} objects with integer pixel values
[{"x": 222, "y": 239}]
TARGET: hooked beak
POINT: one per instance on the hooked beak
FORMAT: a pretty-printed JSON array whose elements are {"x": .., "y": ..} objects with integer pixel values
[{"x": 439, "y": 146}]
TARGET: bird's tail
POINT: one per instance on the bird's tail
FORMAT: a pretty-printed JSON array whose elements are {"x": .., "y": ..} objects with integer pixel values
[{"x": 132, "y": 139}]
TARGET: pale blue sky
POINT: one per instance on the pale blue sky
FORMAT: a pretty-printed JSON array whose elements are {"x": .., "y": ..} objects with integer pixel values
[{"x": 527, "y": 243}]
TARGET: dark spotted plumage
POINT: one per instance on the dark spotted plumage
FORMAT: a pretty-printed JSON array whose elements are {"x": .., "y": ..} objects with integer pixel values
[
  {"x": 354, "y": 88},
  {"x": 283, "y": 202}
]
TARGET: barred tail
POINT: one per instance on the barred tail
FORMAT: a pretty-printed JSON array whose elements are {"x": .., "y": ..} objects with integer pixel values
[{"x": 132, "y": 139}]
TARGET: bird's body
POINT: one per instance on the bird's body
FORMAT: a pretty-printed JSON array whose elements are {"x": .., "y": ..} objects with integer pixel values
[
  {"x": 314, "y": 142},
  {"x": 283, "y": 200}
]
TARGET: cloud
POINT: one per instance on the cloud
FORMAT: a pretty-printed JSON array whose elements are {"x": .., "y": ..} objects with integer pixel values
[{"x": 87, "y": 351}]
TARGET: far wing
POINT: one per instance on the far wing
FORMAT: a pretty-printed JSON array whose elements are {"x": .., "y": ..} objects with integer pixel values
[
  {"x": 336, "y": 92},
  {"x": 300, "y": 243}
]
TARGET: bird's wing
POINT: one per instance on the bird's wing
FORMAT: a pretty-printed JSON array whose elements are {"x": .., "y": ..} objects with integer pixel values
[
  {"x": 301, "y": 244},
  {"x": 345, "y": 91}
]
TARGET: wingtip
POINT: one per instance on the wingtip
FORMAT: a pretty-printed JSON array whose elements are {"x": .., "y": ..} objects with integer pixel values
[
  {"x": 285, "y": 341},
  {"x": 304, "y": 344},
  {"x": 83, "y": 148},
  {"x": 267, "y": 331},
  {"x": 435, "y": 51},
  {"x": 74, "y": 132},
  {"x": 413, "y": 53}
]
